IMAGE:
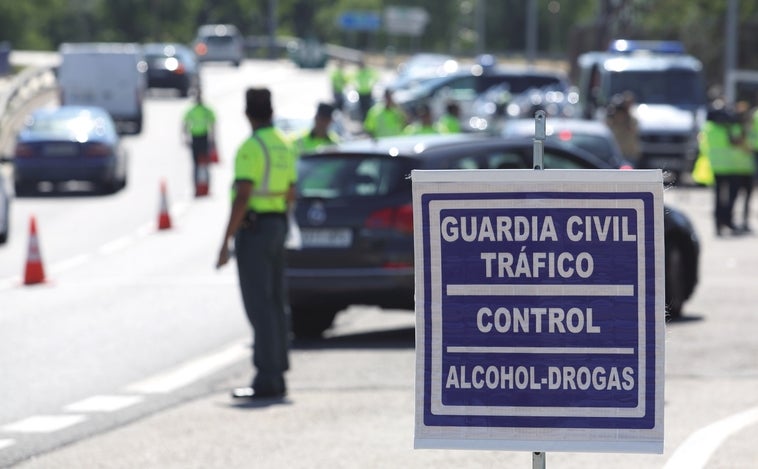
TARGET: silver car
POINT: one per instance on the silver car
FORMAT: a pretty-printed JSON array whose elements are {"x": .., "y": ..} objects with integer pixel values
[{"x": 219, "y": 43}]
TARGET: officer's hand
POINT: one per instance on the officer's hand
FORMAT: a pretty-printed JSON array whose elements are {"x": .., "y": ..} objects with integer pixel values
[{"x": 223, "y": 256}]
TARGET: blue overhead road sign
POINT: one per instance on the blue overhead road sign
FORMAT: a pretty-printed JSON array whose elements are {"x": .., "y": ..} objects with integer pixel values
[
  {"x": 540, "y": 310},
  {"x": 359, "y": 21}
]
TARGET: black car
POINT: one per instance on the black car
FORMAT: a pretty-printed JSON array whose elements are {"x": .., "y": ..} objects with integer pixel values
[
  {"x": 590, "y": 135},
  {"x": 356, "y": 220},
  {"x": 464, "y": 86},
  {"x": 171, "y": 66}
]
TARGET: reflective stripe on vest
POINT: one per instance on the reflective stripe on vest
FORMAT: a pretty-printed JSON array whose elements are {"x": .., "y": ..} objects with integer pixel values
[{"x": 264, "y": 191}]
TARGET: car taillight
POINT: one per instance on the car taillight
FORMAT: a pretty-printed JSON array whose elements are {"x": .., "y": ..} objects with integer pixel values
[
  {"x": 180, "y": 69},
  {"x": 201, "y": 49},
  {"x": 97, "y": 150},
  {"x": 23, "y": 150},
  {"x": 565, "y": 135},
  {"x": 393, "y": 218}
]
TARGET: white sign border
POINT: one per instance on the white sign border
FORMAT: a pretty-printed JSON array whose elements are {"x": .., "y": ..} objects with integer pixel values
[{"x": 539, "y": 439}]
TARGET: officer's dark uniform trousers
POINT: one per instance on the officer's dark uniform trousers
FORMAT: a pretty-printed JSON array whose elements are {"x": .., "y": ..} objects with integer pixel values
[{"x": 260, "y": 264}]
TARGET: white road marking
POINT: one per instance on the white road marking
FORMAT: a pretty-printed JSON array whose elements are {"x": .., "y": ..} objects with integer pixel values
[
  {"x": 191, "y": 371},
  {"x": 103, "y": 403},
  {"x": 8, "y": 283},
  {"x": 698, "y": 447},
  {"x": 110, "y": 247},
  {"x": 70, "y": 263},
  {"x": 116, "y": 245},
  {"x": 44, "y": 423},
  {"x": 7, "y": 443}
]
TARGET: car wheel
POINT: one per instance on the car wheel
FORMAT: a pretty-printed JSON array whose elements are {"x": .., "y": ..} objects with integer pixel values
[
  {"x": 310, "y": 322},
  {"x": 22, "y": 188},
  {"x": 109, "y": 186},
  {"x": 675, "y": 279}
]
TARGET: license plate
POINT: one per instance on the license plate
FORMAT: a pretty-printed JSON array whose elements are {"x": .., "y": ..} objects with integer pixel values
[
  {"x": 61, "y": 149},
  {"x": 82, "y": 97},
  {"x": 326, "y": 237}
]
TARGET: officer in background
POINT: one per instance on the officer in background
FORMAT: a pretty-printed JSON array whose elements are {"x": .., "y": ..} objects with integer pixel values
[
  {"x": 423, "y": 124},
  {"x": 450, "y": 121},
  {"x": 338, "y": 78},
  {"x": 623, "y": 123},
  {"x": 321, "y": 134},
  {"x": 199, "y": 132},
  {"x": 365, "y": 79},
  {"x": 385, "y": 118},
  {"x": 264, "y": 188},
  {"x": 724, "y": 142}
]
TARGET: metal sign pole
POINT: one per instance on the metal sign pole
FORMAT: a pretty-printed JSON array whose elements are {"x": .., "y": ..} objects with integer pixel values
[
  {"x": 538, "y": 460},
  {"x": 539, "y": 138},
  {"x": 538, "y": 457}
]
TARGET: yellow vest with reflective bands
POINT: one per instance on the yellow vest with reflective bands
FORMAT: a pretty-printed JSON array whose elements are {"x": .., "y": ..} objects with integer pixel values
[
  {"x": 199, "y": 120},
  {"x": 725, "y": 157},
  {"x": 268, "y": 160}
]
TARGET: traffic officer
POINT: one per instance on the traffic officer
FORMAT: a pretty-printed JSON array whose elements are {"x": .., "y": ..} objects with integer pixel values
[
  {"x": 199, "y": 132},
  {"x": 424, "y": 124},
  {"x": 364, "y": 80},
  {"x": 264, "y": 188},
  {"x": 385, "y": 118},
  {"x": 320, "y": 135},
  {"x": 338, "y": 79},
  {"x": 724, "y": 142},
  {"x": 449, "y": 122}
]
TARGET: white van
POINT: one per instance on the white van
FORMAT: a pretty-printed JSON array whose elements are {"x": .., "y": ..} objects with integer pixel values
[{"x": 107, "y": 75}]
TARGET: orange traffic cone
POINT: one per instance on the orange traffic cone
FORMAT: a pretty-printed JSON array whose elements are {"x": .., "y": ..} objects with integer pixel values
[
  {"x": 33, "y": 272},
  {"x": 202, "y": 178},
  {"x": 164, "y": 220}
]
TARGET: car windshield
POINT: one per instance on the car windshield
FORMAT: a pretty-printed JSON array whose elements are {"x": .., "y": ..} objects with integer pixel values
[
  {"x": 346, "y": 176},
  {"x": 219, "y": 40},
  {"x": 675, "y": 87}
]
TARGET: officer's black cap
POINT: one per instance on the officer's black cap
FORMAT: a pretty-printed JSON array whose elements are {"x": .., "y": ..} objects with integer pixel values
[
  {"x": 324, "y": 110},
  {"x": 258, "y": 103}
]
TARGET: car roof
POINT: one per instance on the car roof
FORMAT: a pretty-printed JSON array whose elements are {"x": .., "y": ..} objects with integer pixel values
[
  {"x": 615, "y": 62},
  {"x": 100, "y": 47},
  {"x": 217, "y": 30},
  {"x": 160, "y": 47},
  {"x": 406, "y": 145},
  {"x": 506, "y": 71},
  {"x": 446, "y": 145},
  {"x": 70, "y": 111},
  {"x": 525, "y": 126}
]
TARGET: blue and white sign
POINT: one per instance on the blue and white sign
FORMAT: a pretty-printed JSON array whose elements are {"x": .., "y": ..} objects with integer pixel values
[
  {"x": 539, "y": 310},
  {"x": 359, "y": 21}
]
